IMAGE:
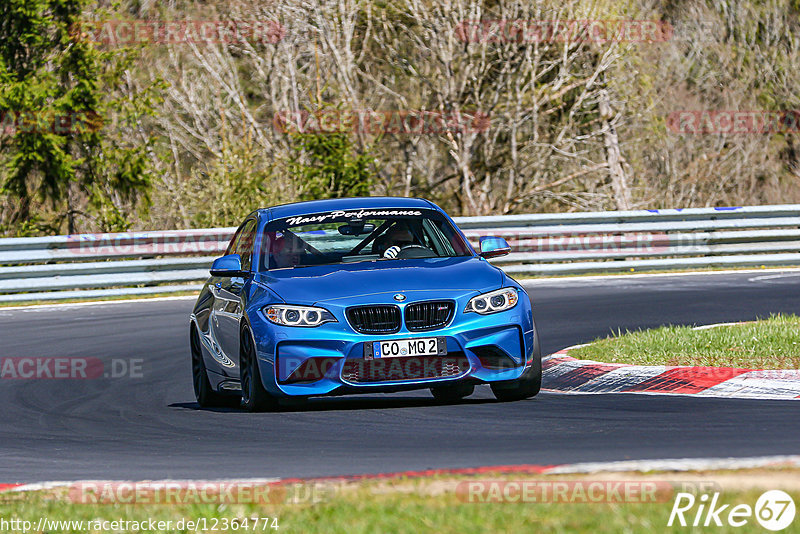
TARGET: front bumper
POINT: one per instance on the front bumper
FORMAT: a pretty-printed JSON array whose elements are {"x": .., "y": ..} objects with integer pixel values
[{"x": 331, "y": 359}]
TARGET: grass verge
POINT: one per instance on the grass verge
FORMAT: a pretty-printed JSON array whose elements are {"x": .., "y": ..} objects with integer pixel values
[
  {"x": 772, "y": 343},
  {"x": 438, "y": 504}
]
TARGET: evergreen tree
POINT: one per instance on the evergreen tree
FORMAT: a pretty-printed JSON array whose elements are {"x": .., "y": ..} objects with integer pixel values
[
  {"x": 327, "y": 165},
  {"x": 59, "y": 97}
]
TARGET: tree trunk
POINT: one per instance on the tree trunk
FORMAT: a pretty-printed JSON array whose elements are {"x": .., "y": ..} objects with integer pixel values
[
  {"x": 70, "y": 210},
  {"x": 619, "y": 182}
]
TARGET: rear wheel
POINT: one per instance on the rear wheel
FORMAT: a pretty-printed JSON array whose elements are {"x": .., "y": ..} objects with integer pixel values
[
  {"x": 254, "y": 397},
  {"x": 205, "y": 395},
  {"x": 453, "y": 393}
]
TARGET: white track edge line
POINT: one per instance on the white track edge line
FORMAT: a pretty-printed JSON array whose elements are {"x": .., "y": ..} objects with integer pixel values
[
  {"x": 622, "y": 276},
  {"x": 95, "y": 303},
  {"x": 666, "y": 464}
]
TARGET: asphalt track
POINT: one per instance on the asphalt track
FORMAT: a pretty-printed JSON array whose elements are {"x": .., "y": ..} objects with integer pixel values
[{"x": 151, "y": 428}]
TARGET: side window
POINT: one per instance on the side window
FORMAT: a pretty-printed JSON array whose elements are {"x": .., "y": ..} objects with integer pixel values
[
  {"x": 231, "y": 247},
  {"x": 245, "y": 242},
  {"x": 439, "y": 241}
]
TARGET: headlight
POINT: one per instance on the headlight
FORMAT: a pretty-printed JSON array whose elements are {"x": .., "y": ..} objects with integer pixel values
[
  {"x": 307, "y": 316},
  {"x": 493, "y": 302}
]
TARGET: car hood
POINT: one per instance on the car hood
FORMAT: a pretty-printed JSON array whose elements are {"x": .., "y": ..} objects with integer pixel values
[{"x": 310, "y": 285}]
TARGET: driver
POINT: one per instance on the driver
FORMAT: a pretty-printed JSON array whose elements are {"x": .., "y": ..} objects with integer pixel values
[{"x": 396, "y": 238}]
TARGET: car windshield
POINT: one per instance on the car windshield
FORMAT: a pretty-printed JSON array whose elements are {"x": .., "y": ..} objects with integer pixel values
[{"x": 349, "y": 236}]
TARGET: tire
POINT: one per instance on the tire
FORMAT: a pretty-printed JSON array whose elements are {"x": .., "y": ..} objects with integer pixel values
[
  {"x": 254, "y": 397},
  {"x": 524, "y": 387},
  {"x": 454, "y": 393},
  {"x": 203, "y": 392}
]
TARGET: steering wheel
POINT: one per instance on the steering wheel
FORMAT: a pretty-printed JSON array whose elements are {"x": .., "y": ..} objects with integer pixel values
[{"x": 415, "y": 251}]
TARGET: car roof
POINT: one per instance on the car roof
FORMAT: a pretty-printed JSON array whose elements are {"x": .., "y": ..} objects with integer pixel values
[{"x": 319, "y": 206}]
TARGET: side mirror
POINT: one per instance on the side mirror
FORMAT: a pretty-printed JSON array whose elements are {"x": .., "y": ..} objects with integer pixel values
[
  {"x": 230, "y": 265},
  {"x": 492, "y": 247}
]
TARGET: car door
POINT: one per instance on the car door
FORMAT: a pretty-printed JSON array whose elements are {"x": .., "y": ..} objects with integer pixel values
[{"x": 228, "y": 305}]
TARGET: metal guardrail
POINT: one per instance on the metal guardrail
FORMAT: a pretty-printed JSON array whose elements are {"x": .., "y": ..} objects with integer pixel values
[{"x": 136, "y": 263}]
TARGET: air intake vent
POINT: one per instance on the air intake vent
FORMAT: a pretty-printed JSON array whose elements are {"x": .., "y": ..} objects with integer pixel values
[
  {"x": 358, "y": 371},
  {"x": 492, "y": 357},
  {"x": 422, "y": 316},
  {"x": 374, "y": 319}
]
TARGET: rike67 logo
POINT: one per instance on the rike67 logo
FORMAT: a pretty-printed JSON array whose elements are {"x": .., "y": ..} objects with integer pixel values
[{"x": 774, "y": 510}]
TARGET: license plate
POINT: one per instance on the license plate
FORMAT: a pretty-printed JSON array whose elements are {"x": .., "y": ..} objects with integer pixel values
[{"x": 402, "y": 348}]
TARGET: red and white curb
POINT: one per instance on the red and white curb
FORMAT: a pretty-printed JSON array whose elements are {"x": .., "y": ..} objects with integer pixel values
[
  {"x": 565, "y": 374},
  {"x": 674, "y": 465}
]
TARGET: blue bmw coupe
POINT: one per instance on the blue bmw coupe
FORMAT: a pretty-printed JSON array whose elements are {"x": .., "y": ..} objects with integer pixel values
[{"x": 359, "y": 295}]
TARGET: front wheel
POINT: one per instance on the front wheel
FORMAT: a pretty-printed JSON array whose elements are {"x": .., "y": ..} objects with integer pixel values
[
  {"x": 524, "y": 387},
  {"x": 254, "y": 397}
]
